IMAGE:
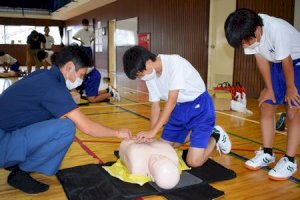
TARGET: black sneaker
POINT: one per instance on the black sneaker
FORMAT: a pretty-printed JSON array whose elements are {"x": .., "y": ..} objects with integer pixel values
[
  {"x": 11, "y": 168},
  {"x": 280, "y": 124},
  {"x": 23, "y": 181}
]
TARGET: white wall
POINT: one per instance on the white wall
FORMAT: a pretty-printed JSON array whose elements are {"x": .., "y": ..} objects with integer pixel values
[{"x": 297, "y": 15}]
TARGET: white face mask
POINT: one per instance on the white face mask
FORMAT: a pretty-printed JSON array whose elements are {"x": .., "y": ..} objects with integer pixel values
[
  {"x": 254, "y": 45},
  {"x": 72, "y": 85},
  {"x": 85, "y": 27},
  {"x": 150, "y": 76}
]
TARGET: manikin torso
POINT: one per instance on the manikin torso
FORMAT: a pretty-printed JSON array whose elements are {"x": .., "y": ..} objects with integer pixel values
[{"x": 159, "y": 156}]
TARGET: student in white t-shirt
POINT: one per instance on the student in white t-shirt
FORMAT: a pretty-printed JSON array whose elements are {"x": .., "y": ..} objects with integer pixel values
[
  {"x": 45, "y": 57},
  {"x": 276, "y": 47},
  {"x": 85, "y": 36},
  {"x": 9, "y": 64},
  {"x": 49, "y": 39},
  {"x": 189, "y": 108}
]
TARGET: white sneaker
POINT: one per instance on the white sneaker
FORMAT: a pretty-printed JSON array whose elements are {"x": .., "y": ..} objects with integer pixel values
[
  {"x": 116, "y": 96},
  {"x": 260, "y": 160},
  {"x": 283, "y": 169},
  {"x": 109, "y": 89},
  {"x": 224, "y": 143}
]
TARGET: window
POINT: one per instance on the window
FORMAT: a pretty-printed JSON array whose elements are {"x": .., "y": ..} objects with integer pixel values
[
  {"x": 18, "y": 34},
  {"x": 54, "y": 32},
  {"x": 1, "y": 34},
  {"x": 126, "y": 32}
]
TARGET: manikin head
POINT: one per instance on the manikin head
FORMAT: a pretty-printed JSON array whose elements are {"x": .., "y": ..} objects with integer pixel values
[{"x": 163, "y": 171}]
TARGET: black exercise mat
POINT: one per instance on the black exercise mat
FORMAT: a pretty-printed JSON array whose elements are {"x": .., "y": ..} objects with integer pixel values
[{"x": 92, "y": 182}]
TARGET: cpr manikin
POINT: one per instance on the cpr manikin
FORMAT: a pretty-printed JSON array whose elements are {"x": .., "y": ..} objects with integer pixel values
[{"x": 156, "y": 159}]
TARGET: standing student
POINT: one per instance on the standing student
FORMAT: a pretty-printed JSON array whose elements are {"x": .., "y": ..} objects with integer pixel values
[
  {"x": 85, "y": 36},
  {"x": 48, "y": 45},
  {"x": 38, "y": 127},
  {"x": 35, "y": 41},
  {"x": 49, "y": 39},
  {"x": 188, "y": 106},
  {"x": 276, "y": 47}
]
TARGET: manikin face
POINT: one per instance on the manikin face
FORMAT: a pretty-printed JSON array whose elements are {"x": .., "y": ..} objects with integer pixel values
[{"x": 163, "y": 171}]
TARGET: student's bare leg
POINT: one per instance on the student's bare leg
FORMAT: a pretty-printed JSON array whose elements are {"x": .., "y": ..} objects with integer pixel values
[
  {"x": 29, "y": 62},
  {"x": 45, "y": 65},
  {"x": 102, "y": 92},
  {"x": 99, "y": 98},
  {"x": 196, "y": 157},
  {"x": 267, "y": 124},
  {"x": 293, "y": 131}
]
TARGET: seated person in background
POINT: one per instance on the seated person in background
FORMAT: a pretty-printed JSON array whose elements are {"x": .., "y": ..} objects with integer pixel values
[
  {"x": 45, "y": 57},
  {"x": 157, "y": 160},
  {"x": 91, "y": 85},
  {"x": 9, "y": 63}
]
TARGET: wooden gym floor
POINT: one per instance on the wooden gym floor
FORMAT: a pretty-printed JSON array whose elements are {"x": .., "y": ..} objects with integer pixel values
[{"x": 133, "y": 112}]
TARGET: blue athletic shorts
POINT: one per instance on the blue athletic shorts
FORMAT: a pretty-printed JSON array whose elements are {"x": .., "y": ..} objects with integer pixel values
[
  {"x": 278, "y": 81},
  {"x": 197, "y": 116},
  {"x": 15, "y": 67}
]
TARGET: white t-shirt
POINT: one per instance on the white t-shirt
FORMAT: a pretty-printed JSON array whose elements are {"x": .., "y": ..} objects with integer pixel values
[
  {"x": 49, "y": 41},
  {"x": 177, "y": 74},
  {"x": 85, "y": 36},
  {"x": 48, "y": 58},
  {"x": 279, "y": 40},
  {"x": 8, "y": 59}
]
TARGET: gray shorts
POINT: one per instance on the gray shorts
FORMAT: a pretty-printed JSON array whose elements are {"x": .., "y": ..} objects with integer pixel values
[{"x": 32, "y": 58}]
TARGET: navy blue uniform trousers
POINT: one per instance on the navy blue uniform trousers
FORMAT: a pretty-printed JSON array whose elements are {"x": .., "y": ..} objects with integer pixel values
[{"x": 39, "y": 147}]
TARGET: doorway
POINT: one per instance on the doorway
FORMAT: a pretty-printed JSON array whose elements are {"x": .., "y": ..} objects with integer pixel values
[
  {"x": 220, "y": 54},
  {"x": 112, "y": 69}
]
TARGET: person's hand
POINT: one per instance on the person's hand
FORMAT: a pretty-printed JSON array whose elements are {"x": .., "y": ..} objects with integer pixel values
[
  {"x": 266, "y": 94},
  {"x": 292, "y": 97},
  {"x": 145, "y": 137},
  {"x": 124, "y": 133}
]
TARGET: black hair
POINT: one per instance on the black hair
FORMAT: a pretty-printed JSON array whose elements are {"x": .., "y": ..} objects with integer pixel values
[
  {"x": 34, "y": 34},
  {"x": 41, "y": 54},
  {"x": 134, "y": 60},
  {"x": 76, "y": 54},
  {"x": 85, "y": 22},
  {"x": 2, "y": 53},
  {"x": 241, "y": 25}
]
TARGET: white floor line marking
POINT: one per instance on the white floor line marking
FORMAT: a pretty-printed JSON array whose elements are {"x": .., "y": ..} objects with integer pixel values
[
  {"x": 249, "y": 120},
  {"x": 134, "y": 90}
]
